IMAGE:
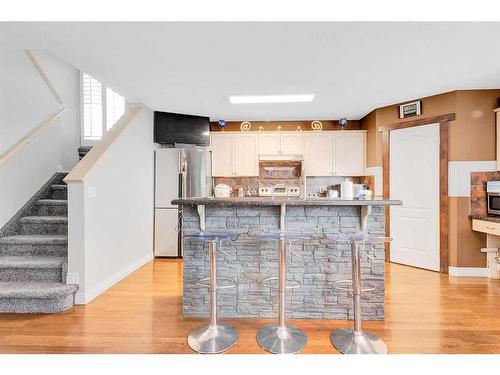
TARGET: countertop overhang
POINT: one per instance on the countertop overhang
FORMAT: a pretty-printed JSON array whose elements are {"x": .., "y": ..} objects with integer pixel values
[{"x": 264, "y": 201}]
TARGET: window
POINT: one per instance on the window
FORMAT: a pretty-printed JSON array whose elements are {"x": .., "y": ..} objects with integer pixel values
[{"x": 102, "y": 107}]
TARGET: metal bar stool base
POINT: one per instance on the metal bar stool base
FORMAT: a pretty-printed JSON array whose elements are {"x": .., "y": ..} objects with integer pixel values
[
  {"x": 289, "y": 340},
  {"x": 212, "y": 340},
  {"x": 348, "y": 341}
]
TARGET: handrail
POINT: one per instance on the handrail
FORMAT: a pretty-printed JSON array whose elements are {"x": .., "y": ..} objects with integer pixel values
[
  {"x": 78, "y": 173},
  {"x": 44, "y": 76},
  {"x": 29, "y": 137}
]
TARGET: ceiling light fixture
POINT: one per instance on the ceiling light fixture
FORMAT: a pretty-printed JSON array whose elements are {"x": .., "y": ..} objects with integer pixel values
[{"x": 252, "y": 99}]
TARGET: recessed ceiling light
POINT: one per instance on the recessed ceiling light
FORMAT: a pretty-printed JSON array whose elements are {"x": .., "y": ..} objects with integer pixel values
[{"x": 249, "y": 99}]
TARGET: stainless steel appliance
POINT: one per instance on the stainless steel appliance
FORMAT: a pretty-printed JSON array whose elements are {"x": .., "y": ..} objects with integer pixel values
[
  {"x": 493, "y": 196},
  {"x": 280, "y": 175},
  {"x": 179, "y": 173}
]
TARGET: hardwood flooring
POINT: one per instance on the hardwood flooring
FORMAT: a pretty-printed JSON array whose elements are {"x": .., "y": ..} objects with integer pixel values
[{"x": 426, "y": 312}]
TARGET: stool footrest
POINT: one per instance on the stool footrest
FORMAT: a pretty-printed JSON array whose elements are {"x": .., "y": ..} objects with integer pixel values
[
  {"x": 268, "y": 282},
  {"x": 206, "y": 282},
  {"x": 346, "y": 286}
]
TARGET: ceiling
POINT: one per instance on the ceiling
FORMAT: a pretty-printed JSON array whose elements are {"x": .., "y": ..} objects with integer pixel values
[{"x": 351, "y": 67}]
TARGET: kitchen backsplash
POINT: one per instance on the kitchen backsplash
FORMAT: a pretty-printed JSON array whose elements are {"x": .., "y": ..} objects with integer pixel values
[
  {"x": 313, "y": 184},
  {"x": 478, "y": 180}
]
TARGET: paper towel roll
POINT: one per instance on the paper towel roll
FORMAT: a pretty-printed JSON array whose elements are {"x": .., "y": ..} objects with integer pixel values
[{"x": 346, "y": 190}]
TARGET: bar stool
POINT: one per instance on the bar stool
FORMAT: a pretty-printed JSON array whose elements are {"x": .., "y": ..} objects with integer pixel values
[
  {"x": 348, "y": 340},
  {"x": 213, "y": 338},
  {"x": 281, "y": 338}
]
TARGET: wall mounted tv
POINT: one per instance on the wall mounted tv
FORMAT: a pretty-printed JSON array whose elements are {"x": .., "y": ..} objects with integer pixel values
[{"x": 170, "y": 128}]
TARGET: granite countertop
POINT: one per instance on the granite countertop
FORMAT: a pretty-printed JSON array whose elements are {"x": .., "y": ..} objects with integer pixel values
[
  {"x": 278, "y": 201},
  {"x": 493, "y": 219}
]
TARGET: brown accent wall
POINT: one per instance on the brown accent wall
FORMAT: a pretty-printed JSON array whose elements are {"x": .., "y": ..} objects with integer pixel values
[
  {"x": 373, "y": 140},
  {"x": 286, "y": 125},
  {"x": 472, "y": 134},
  {"x": 464, "y": 242},
  {"x": 471, "y": 137}
]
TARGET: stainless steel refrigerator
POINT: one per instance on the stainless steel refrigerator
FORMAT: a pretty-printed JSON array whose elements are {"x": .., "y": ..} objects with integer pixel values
[{"x": 179, "y": 173}]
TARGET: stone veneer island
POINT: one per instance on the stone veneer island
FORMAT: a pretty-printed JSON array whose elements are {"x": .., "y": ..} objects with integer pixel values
[{"x": 316, "y": 266}]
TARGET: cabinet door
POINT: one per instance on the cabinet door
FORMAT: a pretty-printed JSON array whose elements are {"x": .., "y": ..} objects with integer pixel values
[
  {"x": 318, "y": 157},
  {"x": 349, "y": 153},
  {"x": 291, "y": 143},
  {"x": 269, "y": 143},
  {"x": 246, "y": 162},
  {"x": 222, "y": 155}
]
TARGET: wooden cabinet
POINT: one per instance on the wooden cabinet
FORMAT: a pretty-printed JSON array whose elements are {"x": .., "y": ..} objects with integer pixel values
[
  {"x": 349, "y": 153},
  {"x": 269, "y": 143},
  {"x": 318, "y": 157},
  {"x": 234, "y": 154},
  {"x": 486, "y": 227},
  {"x": 329, "y": 153},
  {"x": 280, "y": 143},
  {"x": 291, "y": 143},
  {"x": 222, "y": 146},
  {"x": 246, "y": 158}
]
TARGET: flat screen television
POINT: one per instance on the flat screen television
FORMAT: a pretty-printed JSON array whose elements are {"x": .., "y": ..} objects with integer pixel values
[{"x": 170, "y": 128}]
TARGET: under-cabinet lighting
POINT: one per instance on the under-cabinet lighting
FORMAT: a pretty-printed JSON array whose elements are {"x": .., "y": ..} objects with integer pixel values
[{"x": 250, "y": 99}]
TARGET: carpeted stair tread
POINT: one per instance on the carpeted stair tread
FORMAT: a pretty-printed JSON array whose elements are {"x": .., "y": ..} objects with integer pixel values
[
  {"x": 15, "y": 289},
  {"x": 22, "y": 262},
  {"x": 52, "y": 202},
  {"x": 27, "y": 239},
  {"x": 44, "y": 219},
  {"x": 59, "y": 187}
]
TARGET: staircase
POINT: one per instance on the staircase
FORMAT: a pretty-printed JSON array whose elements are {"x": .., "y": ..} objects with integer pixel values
[{"x": 33, "y": 254}]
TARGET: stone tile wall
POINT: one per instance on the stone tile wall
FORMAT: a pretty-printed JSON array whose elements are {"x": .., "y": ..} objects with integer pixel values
[{"x": 316, "y": 267}]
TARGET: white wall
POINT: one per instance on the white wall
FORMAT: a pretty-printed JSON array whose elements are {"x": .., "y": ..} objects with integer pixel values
[
  {"x": 111, "y": 212},
  {"x": 25, "y": 103}
]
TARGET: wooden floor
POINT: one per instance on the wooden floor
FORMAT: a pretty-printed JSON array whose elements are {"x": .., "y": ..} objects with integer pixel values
[{"x": 426, "y": 312}]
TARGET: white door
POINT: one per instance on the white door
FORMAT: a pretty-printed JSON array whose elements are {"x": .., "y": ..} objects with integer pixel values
[
  {"x": 222, "y": 155},
  {"x": 291, "y": 143},
  {"x": 269, "y": 143},
  {"x": 166, "y": 235},
  {"x": 414, "y": 178},
  {"x": 246, "y": 162},
  {"x": 318, "y": 157},
  {"x": 349, "y": 153}
]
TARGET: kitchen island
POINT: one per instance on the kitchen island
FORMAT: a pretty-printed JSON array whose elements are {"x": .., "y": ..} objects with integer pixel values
[{"x": 316, "y": 265}]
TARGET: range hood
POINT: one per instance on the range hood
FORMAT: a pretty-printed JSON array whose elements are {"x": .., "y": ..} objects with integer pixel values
[{"x": 281, "y": 157}]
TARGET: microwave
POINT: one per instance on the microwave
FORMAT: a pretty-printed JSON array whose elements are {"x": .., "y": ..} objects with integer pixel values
[{"x": 493, "y": 197}]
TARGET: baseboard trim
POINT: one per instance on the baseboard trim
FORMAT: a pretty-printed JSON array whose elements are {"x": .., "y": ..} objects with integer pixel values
[
  {"x": 468, "y": 271},
  {"x": 85, "y": 296}
]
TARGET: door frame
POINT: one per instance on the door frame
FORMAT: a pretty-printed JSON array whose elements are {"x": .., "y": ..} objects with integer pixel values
[{"x": 444, "y": 121}]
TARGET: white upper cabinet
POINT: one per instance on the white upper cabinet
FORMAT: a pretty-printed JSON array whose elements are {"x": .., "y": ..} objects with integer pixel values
[
  {"x": 318, "y": 157},
  {"x": 269, "y": 143},
  {"x": 292, "y": 143},
  {"x": 349, "y": 153},
  {"x": 246, "y": 158},
  {"x": 328, "y": 153},
  {"x": 222, "y": 146}
]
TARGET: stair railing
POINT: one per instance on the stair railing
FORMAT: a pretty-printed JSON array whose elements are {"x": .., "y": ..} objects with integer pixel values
[{"x": 29, "y": 137}]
